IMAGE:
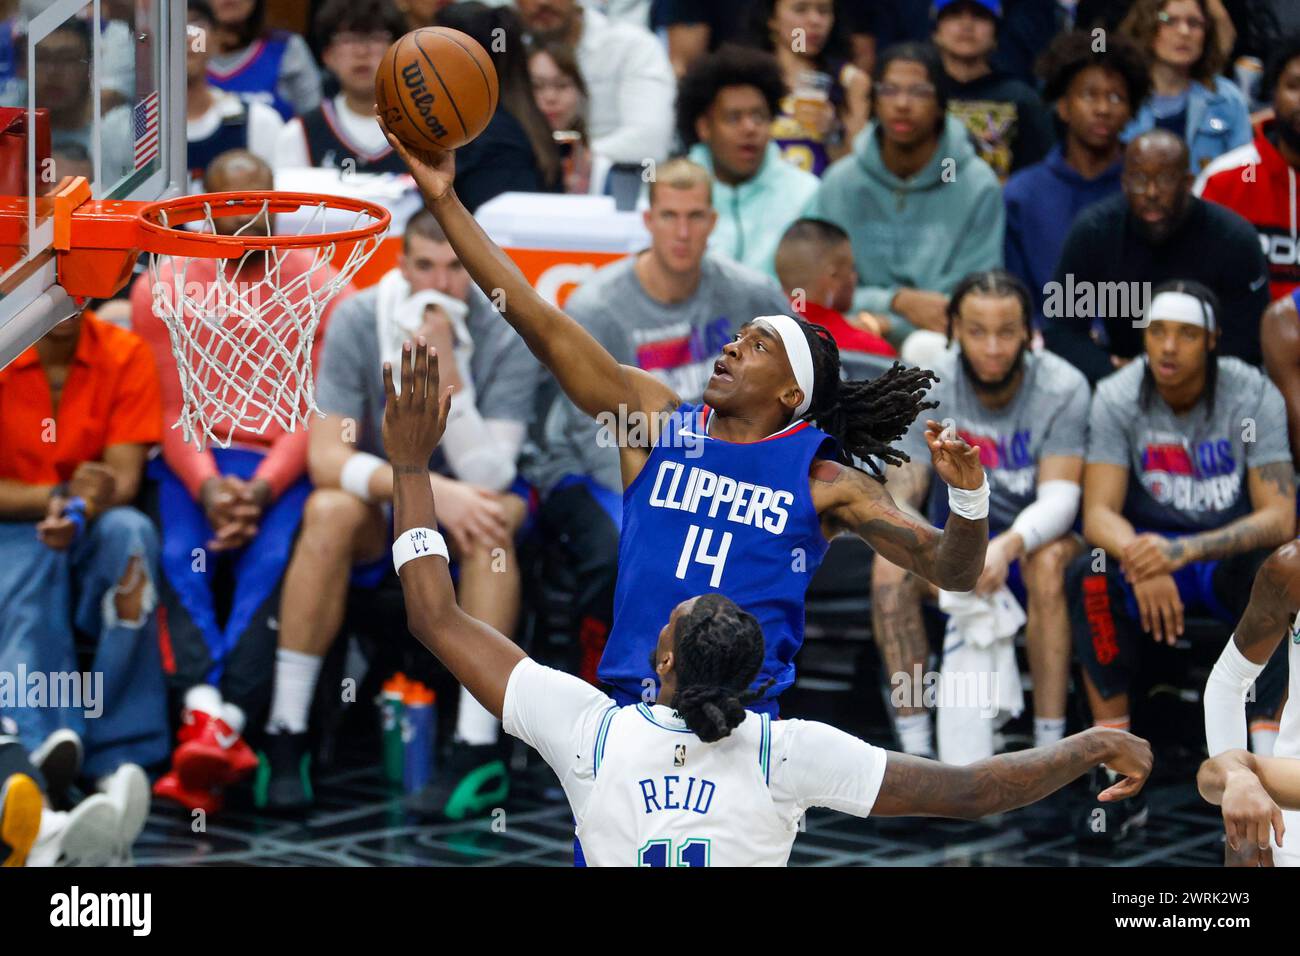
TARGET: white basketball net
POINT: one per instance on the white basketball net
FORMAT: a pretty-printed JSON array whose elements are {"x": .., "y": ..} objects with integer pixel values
[{"x": 242, "y": 330}]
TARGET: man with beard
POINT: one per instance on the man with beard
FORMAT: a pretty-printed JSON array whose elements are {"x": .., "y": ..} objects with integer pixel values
[
  {"x": 1155, "y": 232},
  {"x": 1187, "y": 489},
  {"x": 1258, "y": 180},
  {"x": 1027, "y": 413}
]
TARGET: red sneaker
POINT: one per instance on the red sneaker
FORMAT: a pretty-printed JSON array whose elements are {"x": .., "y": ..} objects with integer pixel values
[
  {"x": 214, "y": 756},
  {"x": 170, "y": 787},
  {"x": 192, "y": 724}
]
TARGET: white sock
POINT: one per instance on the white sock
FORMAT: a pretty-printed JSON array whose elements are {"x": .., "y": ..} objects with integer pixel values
[
  {"x": 916, "y": 735},
  {"x": 203, "y": 698},
  {"x": 234, "y": 717},
  {"x": 1263, "y": 737},
  {"x": 295, "y": 682},
  {"x": 474, "y": 725},
  {"x": 1048, "y": 730}
]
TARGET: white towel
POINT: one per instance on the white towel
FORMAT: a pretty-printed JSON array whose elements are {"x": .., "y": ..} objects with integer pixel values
[
  {"x": 979, "y": 678},
  {"x": 399, "y": 314}
]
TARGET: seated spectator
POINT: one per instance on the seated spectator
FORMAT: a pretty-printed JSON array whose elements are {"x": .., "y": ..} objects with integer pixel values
[
  {"x": 1258, "y": 180},
  {"x": 1122, "y": 246},
  {"x": 346, "y": 529},
  {"x": 668, "y": 310},
  {"x": 217, "y": 121},
  {"x": 1095, "y": 94},
  {"x": 420, "y": 13},
  {"x": 272, "y": 66},
  {"x": 561, "y": 95},
  {"x": 41, "y": 825},
  {"x": 1027, "y": 412},
  {"x": 342, "y": 131},
  {"x": 630, "y": 118},
  {"x": 814, "y": 263},
  {"x": 79, "y": 411},
  {"x": 1004, "y": 115},
  {"x": 1279, "y": 338},
  {"x": 826, "y": 103},
  {"x": 239, "y": 506},
  {"x": 1184, "y": 500},
  {"x": 921, "y": 209},
  {"x": 63, "y": 60},
  {"x": 1188, "y": 97},
  {"x": 516, "y": 152},
  {"x": 724, "y": 111}
]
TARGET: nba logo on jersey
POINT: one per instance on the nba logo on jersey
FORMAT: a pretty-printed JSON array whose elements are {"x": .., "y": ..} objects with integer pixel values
[{"x": 679, "y": 755}]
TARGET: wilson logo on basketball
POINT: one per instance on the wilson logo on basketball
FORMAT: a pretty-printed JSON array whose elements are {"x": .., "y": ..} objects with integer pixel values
[{"x": 422, "y": 99}]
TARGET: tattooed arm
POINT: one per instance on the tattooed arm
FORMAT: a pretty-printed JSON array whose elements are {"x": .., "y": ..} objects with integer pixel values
[
  {"x": 914, "y": 786},
  {"x": 1272, "y": 494},
  {"x": 908, "y": 484}
]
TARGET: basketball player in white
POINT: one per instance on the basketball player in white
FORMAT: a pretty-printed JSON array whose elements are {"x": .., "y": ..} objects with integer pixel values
[
  {"x": 1251, "y": 787},
  {"x": 694, "y": 779}
]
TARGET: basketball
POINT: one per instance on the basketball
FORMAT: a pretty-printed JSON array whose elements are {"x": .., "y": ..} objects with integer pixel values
[{"x": 436, "y": 87}]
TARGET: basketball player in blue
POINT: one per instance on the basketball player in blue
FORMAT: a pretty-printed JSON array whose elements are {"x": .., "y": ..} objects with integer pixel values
[
  {"x": 694, "y": 779},
  {"x": 741, "y": 494}
]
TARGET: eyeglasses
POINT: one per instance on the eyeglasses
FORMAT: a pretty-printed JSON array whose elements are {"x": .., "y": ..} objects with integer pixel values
[
  {"x": 893, "y": 91},
  {"x": 561, "y": 85},
  {"x": 1142, "y": 183},
  {"x": 1193, "y": 24},
  {"x": 1102, "y": 96},
  {"x": 378, "y": 39}
]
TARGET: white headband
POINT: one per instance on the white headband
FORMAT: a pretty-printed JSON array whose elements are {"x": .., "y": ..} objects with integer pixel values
[
  {"x": 1181, "y": 307},
  {"x": 796, "y": 349}
]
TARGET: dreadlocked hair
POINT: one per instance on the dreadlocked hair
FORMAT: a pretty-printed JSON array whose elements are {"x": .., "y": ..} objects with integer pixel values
[
  {"x": 718, "y": 652},
  {"x": 864, "y": 417}
]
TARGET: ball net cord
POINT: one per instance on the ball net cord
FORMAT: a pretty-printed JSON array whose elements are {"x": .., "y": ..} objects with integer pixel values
[{"x": 243, "y": 340}]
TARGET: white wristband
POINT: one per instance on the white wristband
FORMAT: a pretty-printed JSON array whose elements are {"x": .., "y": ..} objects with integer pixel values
[
  {"x": 355, "y": 477},
  {"x": 972, "y": 505},
  {"x": 418, "y": 543}
]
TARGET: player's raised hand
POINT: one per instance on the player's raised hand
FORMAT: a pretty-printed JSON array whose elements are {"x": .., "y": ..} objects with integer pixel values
[
  {"x": 956, "y": 462},
  {"x": 1127, "y": 755},
  {"x": 432, "y": 169},
  {"x": 415, "y": 419}
]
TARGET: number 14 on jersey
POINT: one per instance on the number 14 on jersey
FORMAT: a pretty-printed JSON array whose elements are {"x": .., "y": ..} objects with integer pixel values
[{"x": 704, "y": 537}]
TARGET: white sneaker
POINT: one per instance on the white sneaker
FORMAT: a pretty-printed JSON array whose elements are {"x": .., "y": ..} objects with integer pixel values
[
  {"x": 86, "y": 835},
  {"x": 128, "y": 789}
]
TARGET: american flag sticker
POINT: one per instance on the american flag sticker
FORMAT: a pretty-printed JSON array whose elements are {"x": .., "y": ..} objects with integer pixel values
[{"x": 145, "y": 123}]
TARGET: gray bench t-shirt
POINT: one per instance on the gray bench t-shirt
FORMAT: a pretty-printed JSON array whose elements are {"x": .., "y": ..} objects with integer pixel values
[
  {"x": 1047, "y": 417},
  {"x": 1187, "y": 473}
]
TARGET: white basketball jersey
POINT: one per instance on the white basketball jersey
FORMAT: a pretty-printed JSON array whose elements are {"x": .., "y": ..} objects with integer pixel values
[{"x": 663, "y": 797}]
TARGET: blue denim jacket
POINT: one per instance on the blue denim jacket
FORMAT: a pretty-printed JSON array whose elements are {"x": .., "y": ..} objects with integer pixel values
[{"x": 1217, "y": 120}]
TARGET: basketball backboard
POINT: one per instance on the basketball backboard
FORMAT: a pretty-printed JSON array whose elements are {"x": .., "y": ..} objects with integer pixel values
[{"x": 92, "y": 88}]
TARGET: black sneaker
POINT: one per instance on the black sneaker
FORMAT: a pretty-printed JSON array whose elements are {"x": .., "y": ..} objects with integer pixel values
[
  {"x": 283, "y": 773},
  {"x": 58, "y": 758},
  {"x": 471, "y": 782},
  {"x": 1111, "y": 823}
]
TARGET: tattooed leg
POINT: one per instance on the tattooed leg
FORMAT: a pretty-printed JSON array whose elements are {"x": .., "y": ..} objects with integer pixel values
[
  {"x": 1047, "y": 631},
  {"x": 897, "y": 625}
]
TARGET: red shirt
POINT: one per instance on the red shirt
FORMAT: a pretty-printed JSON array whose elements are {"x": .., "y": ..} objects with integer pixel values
[
  {"x": 286, "y": 452},
  {"x": 847, "y": 336},
  {"x": 1258, "y": 184},
  {"x": 110, "y": 397}
]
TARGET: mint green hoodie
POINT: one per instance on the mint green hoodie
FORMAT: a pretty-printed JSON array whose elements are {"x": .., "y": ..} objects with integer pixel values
[
  {"x": 925, "y": 232},
  {"x": 753, "y": 215}
]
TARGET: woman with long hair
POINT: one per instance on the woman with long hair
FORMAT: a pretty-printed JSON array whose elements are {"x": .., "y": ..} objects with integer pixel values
[
  {"x": 828, "y": 103},
  {"x": 273, "y": 66},
  {"x": 516, "y": 151},
  {"x": 1188, "y": 96},
  {"x": 561, "y": 95}
]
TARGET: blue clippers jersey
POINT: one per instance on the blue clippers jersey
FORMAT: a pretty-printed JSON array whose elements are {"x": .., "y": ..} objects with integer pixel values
[
  {"x": 707, "y": 515},
  {"x": 257, "y": 75}
]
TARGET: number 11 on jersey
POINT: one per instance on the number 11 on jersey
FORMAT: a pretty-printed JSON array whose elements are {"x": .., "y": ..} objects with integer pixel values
[{"x": 702, "y": 556}]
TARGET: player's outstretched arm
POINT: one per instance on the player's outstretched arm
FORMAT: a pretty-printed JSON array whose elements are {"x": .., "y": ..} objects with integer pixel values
[
  {"x": 588, "y": 374},
  {"x": 478, "y": 656},
  {"x": 953, "y": 558},
  {"x": 914, "y": 786}
]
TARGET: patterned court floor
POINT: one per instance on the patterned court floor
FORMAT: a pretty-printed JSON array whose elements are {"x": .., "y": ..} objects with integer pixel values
[{"x": 360, "y": 821}]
